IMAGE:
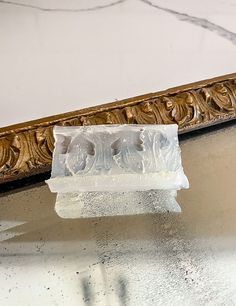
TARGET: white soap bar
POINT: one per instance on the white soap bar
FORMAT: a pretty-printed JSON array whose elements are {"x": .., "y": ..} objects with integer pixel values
[{"x": 116, "y": 158}]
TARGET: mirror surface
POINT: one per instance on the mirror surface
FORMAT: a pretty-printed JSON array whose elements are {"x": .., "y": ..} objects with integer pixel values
[{"x": 188, "y": 258}]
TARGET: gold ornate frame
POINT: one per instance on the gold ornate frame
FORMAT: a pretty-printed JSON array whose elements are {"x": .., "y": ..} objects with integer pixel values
[{"x": 26, "y": 148}]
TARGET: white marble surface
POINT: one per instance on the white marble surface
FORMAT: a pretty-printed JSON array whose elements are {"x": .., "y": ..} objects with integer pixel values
[{"x": 58, "y": 56}]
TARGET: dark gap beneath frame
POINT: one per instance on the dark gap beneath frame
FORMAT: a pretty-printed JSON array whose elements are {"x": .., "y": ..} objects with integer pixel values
[
  {"x": 38, "y": 180},
  {"x": 207, "y": 130}
]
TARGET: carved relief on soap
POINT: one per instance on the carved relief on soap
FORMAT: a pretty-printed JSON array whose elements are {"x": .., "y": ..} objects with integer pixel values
[
  {"x": 127, "y": 157},
  {"x": 106, "y": 149}
]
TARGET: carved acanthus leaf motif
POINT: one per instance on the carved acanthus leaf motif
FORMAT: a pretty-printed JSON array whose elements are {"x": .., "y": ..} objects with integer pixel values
[
  {"x": 25, "y": 151},
  {"x": 10, "y": 152}
]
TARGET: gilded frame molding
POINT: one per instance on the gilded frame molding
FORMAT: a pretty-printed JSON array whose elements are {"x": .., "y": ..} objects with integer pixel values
[{"x": 26, "y": 148}]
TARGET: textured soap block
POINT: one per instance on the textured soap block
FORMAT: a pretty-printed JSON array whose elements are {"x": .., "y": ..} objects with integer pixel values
[{"x": 116, "y": 158}]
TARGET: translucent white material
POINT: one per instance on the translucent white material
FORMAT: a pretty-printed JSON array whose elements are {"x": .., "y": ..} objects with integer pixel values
[
  {"x": 97, "y": 204},
  {"x": 111, "y": 170},
  {"x": 116, "y": 158}
]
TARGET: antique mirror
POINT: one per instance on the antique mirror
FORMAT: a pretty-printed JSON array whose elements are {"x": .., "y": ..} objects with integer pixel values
[{"x": 61, "y": 56}]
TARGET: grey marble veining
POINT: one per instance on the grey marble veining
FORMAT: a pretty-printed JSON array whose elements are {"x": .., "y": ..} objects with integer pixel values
[
  {"x": 55, "y": 9},
  {"x": 201, "y": 22}
]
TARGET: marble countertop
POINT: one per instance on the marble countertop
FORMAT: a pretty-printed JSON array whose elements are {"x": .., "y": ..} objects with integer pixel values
[{"x": 61, "y": 56}]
